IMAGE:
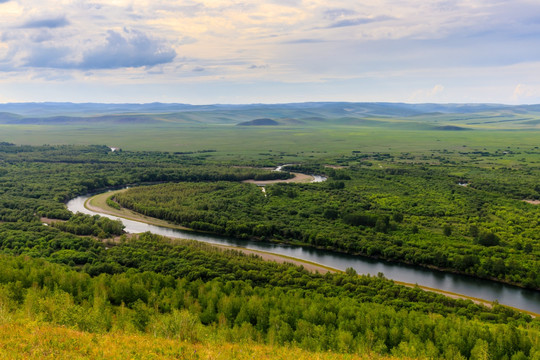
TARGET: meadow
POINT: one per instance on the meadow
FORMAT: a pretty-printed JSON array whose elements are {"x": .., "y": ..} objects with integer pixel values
[{"x": 248, "y": 144}]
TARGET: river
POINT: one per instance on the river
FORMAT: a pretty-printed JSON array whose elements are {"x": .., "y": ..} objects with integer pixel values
[{"x": 483, "y": 289}]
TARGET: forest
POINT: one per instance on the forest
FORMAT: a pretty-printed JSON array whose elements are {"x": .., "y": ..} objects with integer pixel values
[
  {"x": 82, "y": 272},
  {"x": 192, "y": 291},
  {"x": 404, "y": 212}
]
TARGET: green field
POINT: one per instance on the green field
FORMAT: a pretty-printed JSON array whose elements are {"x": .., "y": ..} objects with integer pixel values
[
  {"x": 304, "y": 131},
  {"x": 284, "y": 143}
]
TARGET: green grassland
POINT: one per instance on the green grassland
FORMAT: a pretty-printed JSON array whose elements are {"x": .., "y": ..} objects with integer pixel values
[
  {"x": 283, "y": 143},
  {"x": 305, "y": 130}
]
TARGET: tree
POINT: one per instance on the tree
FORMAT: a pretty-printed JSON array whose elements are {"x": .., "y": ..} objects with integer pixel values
[
  {"x": 480, "y": 351},
  {"x": 447, "y": 230},
  {"x": 488, "y": 239},
  {"x": 351, "y": 272}
]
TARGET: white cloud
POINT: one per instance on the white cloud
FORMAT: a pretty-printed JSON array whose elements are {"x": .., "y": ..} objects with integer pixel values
[
  {"x": 427, "y": 95},
  {"x": 526, "y": 92},
  {"x": 437, "y": 89}
]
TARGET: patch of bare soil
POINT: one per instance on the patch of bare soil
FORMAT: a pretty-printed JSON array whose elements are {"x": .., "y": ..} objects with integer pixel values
[
  {"x": 335, "y": 166},
  {"x": 298, "y": 178},
  {"x": 48, "y": 221}
]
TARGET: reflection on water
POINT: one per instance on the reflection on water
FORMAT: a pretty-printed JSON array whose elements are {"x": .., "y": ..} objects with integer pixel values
[{"x": 483, "y": 289}]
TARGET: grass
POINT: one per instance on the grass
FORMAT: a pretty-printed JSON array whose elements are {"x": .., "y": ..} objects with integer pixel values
[
  {"x": 31, "y": 340},
  {"x": 288, "y": 144}
]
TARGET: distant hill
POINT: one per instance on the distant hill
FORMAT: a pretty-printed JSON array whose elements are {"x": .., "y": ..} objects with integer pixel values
[
  {"x": 450, "y": 128},
  {"x": 259, "y": 122},
  {"x": 8, "y": 117},
  {"x": 14, "y": 119},
  {"x": 405, "y": 116},
  {"x": 338, "y": 108}
]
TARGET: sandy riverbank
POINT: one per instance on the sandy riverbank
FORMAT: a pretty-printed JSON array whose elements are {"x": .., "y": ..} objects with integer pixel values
[{"x": 98, "y": 203}]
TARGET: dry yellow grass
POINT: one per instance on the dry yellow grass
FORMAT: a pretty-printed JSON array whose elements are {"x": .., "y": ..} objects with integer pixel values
[{"x": 28, "y": 340}]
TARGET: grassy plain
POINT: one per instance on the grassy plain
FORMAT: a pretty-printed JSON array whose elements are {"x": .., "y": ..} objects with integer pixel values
[{"x": 289, "y": 144}]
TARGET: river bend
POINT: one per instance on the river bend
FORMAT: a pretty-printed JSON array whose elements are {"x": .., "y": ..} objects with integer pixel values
[{"x": 461, "y": 284}]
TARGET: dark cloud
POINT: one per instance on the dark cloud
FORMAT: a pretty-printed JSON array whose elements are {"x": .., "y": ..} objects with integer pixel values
[
  {"x": 304, "y": 41},
  {"x": 333, "y": 14},
  {"x": 132, "y": 49},
  {"x": 358, "y": 21},
  {"x": 10, "y": 36},
  {"x": 255, "y": 67},
  {"x": 51, "y": 23},
  {"x": 41, "y": 36}
]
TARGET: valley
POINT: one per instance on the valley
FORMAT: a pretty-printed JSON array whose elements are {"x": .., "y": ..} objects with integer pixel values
[{"x": 393, "y": 204}]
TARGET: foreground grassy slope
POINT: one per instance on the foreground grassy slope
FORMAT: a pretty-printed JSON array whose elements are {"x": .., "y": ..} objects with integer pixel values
[{"x": 24, "y": 339}]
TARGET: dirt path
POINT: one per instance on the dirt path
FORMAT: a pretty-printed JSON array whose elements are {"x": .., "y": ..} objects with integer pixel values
[{"x": 48, "y": 221}]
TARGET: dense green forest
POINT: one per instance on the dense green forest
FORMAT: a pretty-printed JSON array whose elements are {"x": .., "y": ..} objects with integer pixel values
[
  {"x": 36, "y": 181},
  {"x": 80, "y": 272},
  {"x": 192, "y": 291},
  {"x": 400, "y": 211}
]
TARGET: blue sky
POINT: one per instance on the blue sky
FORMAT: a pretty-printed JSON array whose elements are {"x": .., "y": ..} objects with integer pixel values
[{"x": 217, "y": 51}]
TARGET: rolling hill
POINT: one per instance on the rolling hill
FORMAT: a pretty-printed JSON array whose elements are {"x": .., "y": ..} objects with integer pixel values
[{"x": 416, "y": 116}]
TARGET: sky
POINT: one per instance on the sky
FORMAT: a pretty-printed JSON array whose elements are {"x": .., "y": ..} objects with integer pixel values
[{"x": 280, "y": 51}]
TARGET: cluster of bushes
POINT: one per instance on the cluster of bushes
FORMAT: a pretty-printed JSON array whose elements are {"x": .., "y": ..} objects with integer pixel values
[{"x": 82, "y": 224}]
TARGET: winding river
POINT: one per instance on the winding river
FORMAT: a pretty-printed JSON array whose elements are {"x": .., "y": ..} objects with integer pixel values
[{"x": 516, "y": 297}]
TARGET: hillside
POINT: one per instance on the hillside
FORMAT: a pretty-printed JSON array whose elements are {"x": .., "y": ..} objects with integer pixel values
[
  {"x": 420, "y": 116},
  {"x": 26, "y": 339},
  {"x": 259, "y": 122}
]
